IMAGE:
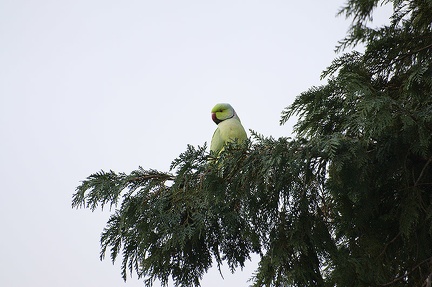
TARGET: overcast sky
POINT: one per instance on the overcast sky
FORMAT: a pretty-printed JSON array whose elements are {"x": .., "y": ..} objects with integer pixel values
[{"x": 91, "y": 85}]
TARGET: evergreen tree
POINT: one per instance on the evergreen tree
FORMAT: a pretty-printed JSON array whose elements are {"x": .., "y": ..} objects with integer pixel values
[{"x": 346, "y": 202}]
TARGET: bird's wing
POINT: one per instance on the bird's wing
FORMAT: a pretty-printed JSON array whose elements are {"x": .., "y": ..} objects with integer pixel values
[{"x": 217, "y": 142}]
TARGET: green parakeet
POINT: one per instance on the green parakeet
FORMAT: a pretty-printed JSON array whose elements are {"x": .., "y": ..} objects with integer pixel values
[{"x": 229, "y": 127}]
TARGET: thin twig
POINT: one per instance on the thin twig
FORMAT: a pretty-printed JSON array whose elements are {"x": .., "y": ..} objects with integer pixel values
[
  {"x": 391, "y": 241},
  {"x": 153, "y": 176},
  {"x": 406, "y": 274},
  {"x": 403, "y": 56},
  {"x": 422, "y": 171}
]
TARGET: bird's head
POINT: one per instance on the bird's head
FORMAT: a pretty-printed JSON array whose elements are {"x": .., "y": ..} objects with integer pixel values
[{"x": 222, "y": 111}]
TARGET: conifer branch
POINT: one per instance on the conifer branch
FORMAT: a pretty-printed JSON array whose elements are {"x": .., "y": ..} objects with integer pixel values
[{"x": 317, "y": 208}]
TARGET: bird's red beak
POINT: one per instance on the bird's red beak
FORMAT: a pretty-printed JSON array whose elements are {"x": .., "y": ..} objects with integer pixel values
[{"x": 215, "y": 119}]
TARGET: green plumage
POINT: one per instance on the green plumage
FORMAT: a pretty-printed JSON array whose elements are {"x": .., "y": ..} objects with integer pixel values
[{"x": 229, "y": 127}]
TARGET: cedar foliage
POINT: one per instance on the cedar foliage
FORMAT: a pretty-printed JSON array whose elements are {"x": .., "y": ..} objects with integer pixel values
[{"x": 346, "y": 202}]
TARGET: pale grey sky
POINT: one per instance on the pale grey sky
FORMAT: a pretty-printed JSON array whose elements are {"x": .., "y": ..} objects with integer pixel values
[{"x": 91, "y": 85}]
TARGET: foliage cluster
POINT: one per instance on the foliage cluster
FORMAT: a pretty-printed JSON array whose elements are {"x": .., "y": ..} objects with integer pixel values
[{"x": 347, "y": 202}]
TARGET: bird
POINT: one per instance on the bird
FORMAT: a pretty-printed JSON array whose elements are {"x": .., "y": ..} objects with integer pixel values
[{"x": 229, "y": 127}]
